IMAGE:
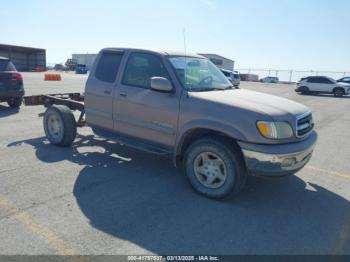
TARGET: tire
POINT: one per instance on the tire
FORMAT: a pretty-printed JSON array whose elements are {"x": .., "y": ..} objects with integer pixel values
[
  {"x": 214, "y": 169},
  {"x": 15, "y": 102},
  {"x": 338, "y": 92},
  {"x": 304, "y": 90},
  {"x": 60, "y": 125}
]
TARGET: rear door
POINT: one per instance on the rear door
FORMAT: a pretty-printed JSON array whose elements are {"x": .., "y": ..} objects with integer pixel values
[
  {"x": 140, "y": 112},
  {"x": 315, "y": 84},
  {"x": 99, "y": 89}
]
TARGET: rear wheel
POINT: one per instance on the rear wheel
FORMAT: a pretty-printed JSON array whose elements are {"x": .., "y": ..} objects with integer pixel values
[
  {"x": 338, "y": 92},
  {"x": 215, "y": 169},
  {"x": 60, "y": 125},
  {"x": 15, "y": 102}
]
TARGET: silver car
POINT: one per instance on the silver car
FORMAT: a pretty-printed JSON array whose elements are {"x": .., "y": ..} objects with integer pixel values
[{"x": 233, "y": 77}]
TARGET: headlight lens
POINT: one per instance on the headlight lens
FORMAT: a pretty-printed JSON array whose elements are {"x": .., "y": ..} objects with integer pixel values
[{"x": 275, "y": 130}]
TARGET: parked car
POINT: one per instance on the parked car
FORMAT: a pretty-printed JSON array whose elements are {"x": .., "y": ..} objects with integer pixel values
[
  {"x": 11, "y": 84},
  {"x": 182, "y": 106},
  {"x": 269, "y": 79},
  {"x": 81, "y": 69},
  {"x": 59, "y": 67},
  {"x": 322, "y": 85},
  {"x": 344, "y": 80},
  {"x": 232, "y": 76}
]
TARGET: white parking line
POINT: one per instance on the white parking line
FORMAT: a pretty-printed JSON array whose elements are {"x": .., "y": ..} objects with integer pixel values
[
  {"x": 42, "y": 232},
  {"x": 332, "y": 173}
]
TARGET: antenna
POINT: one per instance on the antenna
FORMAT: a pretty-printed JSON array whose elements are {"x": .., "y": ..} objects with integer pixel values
[
  {"x": 184, "y": 36},
  {"x": 185, "y": 50}
]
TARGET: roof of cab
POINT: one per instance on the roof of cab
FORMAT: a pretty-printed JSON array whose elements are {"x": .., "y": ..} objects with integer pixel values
[{"x": 159, "y": 52}]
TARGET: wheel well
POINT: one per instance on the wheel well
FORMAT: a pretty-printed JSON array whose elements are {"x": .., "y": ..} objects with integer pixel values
[
  {"x": 193, "y": 135},
  {"x": 304, "y": 88},
  {"x": 338, "y": 87}
]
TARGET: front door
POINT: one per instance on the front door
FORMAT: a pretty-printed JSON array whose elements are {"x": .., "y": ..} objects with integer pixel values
[{"x": 140, "y": 112}]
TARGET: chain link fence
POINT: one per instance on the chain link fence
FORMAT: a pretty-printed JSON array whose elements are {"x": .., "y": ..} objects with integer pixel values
[{"x": 292, "y": 75}]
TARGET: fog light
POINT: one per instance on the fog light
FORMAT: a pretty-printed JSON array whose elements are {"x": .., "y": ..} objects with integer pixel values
[{"x": 289, "y": 161}]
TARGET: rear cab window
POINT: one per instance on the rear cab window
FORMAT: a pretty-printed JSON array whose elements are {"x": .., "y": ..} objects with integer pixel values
[
  {"x": 6, "y": 65},
  {"x": 141, "y": 67},
  {"x": 108, "y": 66}
]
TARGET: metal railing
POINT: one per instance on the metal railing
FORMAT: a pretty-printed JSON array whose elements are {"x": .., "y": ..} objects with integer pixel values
[{"x": 292, "y": 75}]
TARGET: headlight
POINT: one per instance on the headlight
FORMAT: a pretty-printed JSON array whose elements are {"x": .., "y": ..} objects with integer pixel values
[{"x": 275, "y": 130}]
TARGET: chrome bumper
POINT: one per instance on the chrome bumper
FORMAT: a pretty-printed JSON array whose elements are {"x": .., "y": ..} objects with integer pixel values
[{"x": 274, "y": 165}]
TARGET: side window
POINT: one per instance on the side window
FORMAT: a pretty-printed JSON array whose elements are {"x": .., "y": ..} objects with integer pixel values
[
  {"x": 108, "y": 66},
  {"x": 227, "y": 74},
  {"x": 141, "y": 68},
  {"x": 314, "y": 80},
  {"x": 6, "y": 65},
  {"x": 324, "y": 81},
  {"x": 10, "y": 67}
]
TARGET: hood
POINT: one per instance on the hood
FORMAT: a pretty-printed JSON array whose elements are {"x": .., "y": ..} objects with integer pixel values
[{"x": 271, "y": 105}]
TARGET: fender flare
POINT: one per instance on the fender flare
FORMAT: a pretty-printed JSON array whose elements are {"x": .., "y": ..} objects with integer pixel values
[{"x": 215, "y": 126}]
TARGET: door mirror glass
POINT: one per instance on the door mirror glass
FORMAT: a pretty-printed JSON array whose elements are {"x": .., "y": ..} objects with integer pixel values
[{"x": 161, "y": 84}]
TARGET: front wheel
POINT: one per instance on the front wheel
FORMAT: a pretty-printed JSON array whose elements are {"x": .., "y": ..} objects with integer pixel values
[
  {"x": 338, "y": 92},
  {"x": 215, "y": 169},
  {"x": 60, "y": 125}
]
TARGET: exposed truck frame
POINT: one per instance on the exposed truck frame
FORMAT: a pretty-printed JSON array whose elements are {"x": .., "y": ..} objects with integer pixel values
[{"x": 74, "y": 101}]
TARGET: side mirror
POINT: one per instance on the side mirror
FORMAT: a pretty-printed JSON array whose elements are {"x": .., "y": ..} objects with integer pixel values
[{"x": 161, "y": 84}]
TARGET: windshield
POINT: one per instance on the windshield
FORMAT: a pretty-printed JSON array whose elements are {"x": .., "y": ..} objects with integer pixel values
[{"x": 199, "y": 74}]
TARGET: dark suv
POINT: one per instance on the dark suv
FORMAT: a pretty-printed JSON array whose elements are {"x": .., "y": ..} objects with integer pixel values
[{"x": 11, "y": 83}]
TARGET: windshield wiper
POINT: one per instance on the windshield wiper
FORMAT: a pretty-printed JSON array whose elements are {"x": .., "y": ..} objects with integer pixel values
[
  {"x": 210, "y": 89},
  {"x": 203, "y": 89}
]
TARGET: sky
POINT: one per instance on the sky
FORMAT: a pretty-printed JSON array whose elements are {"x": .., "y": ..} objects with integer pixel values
[{"x": 280, "y": 34}]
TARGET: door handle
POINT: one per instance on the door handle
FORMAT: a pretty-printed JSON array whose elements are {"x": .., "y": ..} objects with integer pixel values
[
  {"x": 123, "y": 94},
  {"x": 107, "y": 92}
]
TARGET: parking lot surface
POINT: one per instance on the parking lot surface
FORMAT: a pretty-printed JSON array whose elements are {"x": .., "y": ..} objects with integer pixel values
[{"x": 98, "y": 197}]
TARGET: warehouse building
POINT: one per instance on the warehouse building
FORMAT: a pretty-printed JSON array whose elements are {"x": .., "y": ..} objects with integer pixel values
[
  {"x": 85, "y": 59},
  {"x": 220, "y": 61},
  {"x": 25, "y": 58}
]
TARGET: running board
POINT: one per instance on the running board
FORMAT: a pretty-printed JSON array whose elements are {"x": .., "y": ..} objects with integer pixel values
[{"x": 132, "y": 142}]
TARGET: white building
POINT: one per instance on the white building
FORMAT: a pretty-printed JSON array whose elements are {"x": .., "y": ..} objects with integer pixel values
[
  {"x": 220, "y": 61},
  {"x": 85, "y": 59}
]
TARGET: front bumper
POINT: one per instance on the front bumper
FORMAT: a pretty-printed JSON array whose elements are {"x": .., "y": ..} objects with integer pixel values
[{"x": 278, "y": 160}]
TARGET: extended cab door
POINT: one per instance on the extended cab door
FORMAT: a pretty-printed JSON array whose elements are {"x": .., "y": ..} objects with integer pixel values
[
  {"x": 99, "y": 89},
  {"x": 141, "y": 113}
]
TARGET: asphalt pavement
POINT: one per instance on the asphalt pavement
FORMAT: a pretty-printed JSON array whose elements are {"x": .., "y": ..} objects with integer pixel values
[{"x": 98, "y": 197}]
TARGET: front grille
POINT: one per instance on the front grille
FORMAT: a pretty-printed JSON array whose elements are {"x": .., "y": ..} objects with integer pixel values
[{"x": 305, "y": 124}]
